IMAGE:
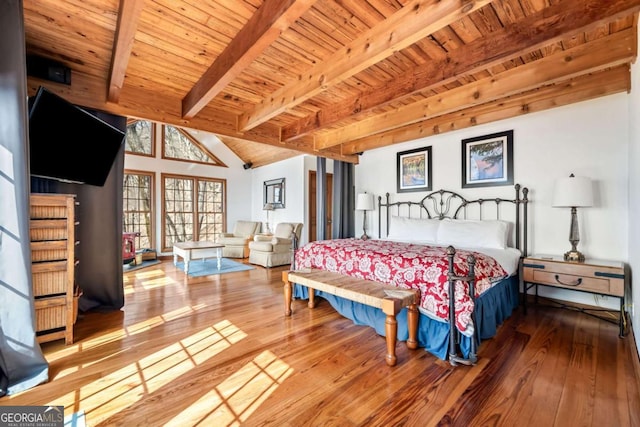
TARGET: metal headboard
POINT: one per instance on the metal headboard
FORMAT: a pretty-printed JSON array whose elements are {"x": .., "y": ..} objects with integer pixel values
[{"x": 442, "y": 204}]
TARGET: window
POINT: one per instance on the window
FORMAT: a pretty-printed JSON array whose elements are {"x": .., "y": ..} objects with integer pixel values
[
  {"x": 139, "y": 138},
  {"x": 178, "y": 144},
  {"x": 138, "y": 207},
  {"x": 193, "y": 209},
  {"x": 211, "y": 212}
]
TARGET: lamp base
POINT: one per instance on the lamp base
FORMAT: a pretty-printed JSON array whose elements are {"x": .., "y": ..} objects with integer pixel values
[
  {"x": 364, "y": 237},
  {"x": 574, "y": 256}
]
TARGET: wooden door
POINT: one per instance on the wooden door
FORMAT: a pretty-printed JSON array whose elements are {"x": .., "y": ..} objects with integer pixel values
[{"x": 312, "y": 205}]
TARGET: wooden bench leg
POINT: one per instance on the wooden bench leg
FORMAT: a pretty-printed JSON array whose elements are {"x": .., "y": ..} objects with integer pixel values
[
  {"x": 288, "y": 293},
  {"x": 412, "y": 320},
  {"x": 312, "y": 298},
  {"x": 391, "y": 331},
  {"x": 287, "y": 298}
]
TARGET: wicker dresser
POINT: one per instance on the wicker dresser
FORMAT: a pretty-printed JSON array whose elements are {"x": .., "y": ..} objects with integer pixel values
[{"x": 52, "y": 233}]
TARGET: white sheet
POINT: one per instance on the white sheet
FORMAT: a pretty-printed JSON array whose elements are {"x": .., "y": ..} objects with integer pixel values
[{"x": 508, "y": 258}]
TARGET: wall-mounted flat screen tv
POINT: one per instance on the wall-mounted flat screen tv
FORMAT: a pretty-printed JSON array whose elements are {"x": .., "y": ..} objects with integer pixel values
[{"x": 68, "y": 143}]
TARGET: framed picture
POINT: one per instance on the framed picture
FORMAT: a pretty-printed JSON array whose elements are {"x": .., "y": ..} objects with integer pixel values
[
  {"x": 414, "y": 170},
  {"x": 487, "y": 161},
  {"x": 273, "y": 194}
]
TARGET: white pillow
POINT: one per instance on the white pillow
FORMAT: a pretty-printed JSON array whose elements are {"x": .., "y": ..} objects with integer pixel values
[
  {"x": 474, "y": 234},
  {"x": 423, "y": 230}
]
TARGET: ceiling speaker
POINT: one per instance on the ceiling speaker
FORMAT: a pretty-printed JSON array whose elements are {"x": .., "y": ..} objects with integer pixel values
[
  {"x": 247, "y": 165},
  {"x": 48, "y": 69}
]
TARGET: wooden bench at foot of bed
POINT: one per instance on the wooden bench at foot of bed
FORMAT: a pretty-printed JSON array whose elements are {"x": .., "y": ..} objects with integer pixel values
[{"x": 385, "y": 297}]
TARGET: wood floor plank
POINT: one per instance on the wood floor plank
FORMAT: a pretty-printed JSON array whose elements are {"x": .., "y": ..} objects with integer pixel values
[
  {"x": 544, "y": 363},
  {"x": 218, "y": 350}
]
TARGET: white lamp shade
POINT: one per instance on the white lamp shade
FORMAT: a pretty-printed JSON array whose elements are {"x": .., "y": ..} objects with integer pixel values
[
  {"x": 268, "y": 207},
  {"x": 573, "y": 191},
  {"x": 364, "y": 202}
]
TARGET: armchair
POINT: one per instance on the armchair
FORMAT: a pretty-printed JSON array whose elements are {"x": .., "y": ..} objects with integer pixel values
[
  {"x": 275, "y": 250},
  {"x": 236, "y": 244}
]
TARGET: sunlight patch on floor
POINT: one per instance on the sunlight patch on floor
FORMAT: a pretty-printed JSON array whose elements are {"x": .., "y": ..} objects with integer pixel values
[
  {"x": 124, "y": 387},
  {"x": 73, "y": 349},
  {"x": 149, "y": 273},
  {"x": 157, "y": 283},
  {"x": 67, "y": 351},
  {"x": 150, "y": 284},
  {"x": 148, "y": 279},
  {"x": 156, "y": 321},
  {"x": 136, "y": 328},
  {"x": 233, "y": 401}
]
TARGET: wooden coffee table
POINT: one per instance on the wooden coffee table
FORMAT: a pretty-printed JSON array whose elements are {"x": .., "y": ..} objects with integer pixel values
[{"x": 196, "y": 250}]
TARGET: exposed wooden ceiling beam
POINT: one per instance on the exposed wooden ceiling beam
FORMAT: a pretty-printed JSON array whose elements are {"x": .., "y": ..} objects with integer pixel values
[
  {"x": 140, "y": 103},
  {"x": 264, "y": 27},
  {"x": 261, "y": 154},
  {"x": 128, "y": 17},
  {"x": 550, "y": 25},
  {"x": 578, "y": 89},
  {"x": 606, "y": 52},
  {"x": 415, "y": 21}
]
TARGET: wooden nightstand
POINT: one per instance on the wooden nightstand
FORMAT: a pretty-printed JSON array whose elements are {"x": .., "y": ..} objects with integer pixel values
[{"x": 592, "y": 276}]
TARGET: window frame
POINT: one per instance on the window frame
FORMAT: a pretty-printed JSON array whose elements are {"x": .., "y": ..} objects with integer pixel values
[
  {"x": 153, "y": 138},
  {"x": 215, "y": 161},
  {"x": 196, "y": 224},
  {"x": 152, "y": 233}
]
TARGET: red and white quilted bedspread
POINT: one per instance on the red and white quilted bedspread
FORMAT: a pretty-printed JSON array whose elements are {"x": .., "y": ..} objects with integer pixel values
[{"x": 408, "y": 266}]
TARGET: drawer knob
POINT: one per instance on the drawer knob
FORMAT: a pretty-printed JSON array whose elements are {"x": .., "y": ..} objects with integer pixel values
[{"x": 576, "y": 283}]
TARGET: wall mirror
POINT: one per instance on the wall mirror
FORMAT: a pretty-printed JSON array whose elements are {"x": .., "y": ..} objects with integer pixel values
[{"x": 274, "y": 193}]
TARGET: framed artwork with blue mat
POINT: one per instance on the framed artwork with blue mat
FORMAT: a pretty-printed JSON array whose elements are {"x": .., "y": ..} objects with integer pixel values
[{"x": 208, "y": 267}]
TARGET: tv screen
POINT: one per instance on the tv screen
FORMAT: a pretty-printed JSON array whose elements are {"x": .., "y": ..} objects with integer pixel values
[{"x": 68, "y": 143}]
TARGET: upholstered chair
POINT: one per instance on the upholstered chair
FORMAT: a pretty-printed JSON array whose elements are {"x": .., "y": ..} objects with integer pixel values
[
  {"x": 236, "y": 244},
  {"x": 274, "y": 250}
]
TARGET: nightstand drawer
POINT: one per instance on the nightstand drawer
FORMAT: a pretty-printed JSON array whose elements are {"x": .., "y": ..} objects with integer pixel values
[
  {"x": 570, "y": 281},
  {"x": 601, "y": 279}
]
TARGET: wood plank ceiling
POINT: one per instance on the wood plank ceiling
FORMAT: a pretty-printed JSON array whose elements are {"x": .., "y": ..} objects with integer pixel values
[{"x": 334, "y": 78}]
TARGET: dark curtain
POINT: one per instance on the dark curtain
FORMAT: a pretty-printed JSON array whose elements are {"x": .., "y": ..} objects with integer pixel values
[
  {"x": 321, "y": 198},
  {"x": 22, "y": 364},
  {"x": 99, "y": 230},
  {"x": 343, "y": 200}
]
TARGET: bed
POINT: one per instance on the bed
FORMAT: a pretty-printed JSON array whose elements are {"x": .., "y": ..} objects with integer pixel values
[{"x": 442, "y": 244}]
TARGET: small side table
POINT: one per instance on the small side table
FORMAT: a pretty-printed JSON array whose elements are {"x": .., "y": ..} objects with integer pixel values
[{"x": 592, "y": 276}]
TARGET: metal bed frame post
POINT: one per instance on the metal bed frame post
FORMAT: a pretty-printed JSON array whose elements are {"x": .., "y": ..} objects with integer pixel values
[
  {"x": 473, "y": 351},
  {"x": 294, "y": 248},
  {"x": 454, "y": 358},
  {"x": 453, "y": 354},
  {"x": 525, "y": 201},
  {"x": 517, "y": 186}
]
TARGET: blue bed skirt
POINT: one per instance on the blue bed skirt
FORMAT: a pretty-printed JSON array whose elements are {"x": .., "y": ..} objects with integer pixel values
[{"x": 492, "y": 308}]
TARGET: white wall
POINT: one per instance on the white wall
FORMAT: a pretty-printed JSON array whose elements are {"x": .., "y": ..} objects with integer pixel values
[
  {"x": 238, "y": 179},
  {"x": 296, "y": 174},
  {"x": 634, "y": 197},
  {"x": 589, "y": 139},
  {"x": 292, "y": 170}
]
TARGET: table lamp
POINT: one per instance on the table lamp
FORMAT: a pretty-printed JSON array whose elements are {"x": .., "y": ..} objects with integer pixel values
[
  {"x": 573, "y": 192},
  {"x": 364, "y": 203},
  {"x": 268, "y": 207}
]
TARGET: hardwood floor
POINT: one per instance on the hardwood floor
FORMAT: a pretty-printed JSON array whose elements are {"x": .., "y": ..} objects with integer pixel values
[{"x": 218, "y": 351}]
